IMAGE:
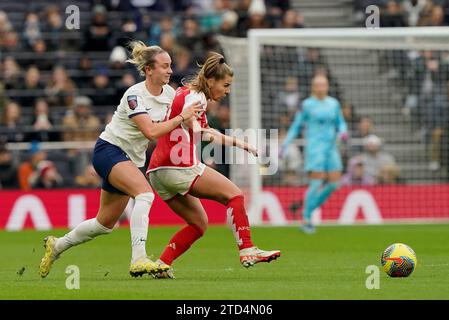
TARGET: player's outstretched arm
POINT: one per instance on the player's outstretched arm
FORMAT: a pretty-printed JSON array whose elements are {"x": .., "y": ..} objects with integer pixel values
[
  {"x": 153, "y": 131},
  {"x": 214, "y": 136}
]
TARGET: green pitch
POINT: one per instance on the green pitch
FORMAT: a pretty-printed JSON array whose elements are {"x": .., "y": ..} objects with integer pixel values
[{"x": 328, "y": 265}]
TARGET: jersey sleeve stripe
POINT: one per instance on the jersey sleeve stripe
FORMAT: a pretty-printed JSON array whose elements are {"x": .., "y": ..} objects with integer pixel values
[{"x": 135, "y": 114}]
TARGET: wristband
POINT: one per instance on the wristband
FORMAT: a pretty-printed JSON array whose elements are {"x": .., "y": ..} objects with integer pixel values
[{"x": 182, "y": 117}]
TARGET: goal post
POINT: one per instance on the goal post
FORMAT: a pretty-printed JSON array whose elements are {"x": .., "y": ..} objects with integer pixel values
[{"x": 397, "y": 78}]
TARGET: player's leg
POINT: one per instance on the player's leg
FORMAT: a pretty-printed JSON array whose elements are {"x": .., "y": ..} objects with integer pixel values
[
  {"x": 315, "y": 182},
  {"x": 111, "y": 208},
  {"x": 213, "y": 185},
  {"x": 191, "y": 211},
  {"x": 315, "y": 161},
  {"x": 126, "y": 177},
  {"x": 333, "y": 167},
  {"x": 331, "y": 185}
]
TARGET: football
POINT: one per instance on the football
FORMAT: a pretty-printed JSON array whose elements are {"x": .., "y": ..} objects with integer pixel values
[{"x": 399, "y": 260}]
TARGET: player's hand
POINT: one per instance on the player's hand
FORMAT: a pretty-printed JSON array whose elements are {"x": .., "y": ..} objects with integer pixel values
[
  {"x": 251, "y": 149},
  {"x": 343, "y": 136},
  {"x": 192, "y": 110}
]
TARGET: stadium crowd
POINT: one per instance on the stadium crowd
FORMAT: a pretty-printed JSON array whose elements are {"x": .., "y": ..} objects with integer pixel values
[{"x": 61, "y": 85}]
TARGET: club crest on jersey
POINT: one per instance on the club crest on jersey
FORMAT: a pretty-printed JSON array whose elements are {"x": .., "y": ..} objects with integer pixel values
[{"x": 132, "y": 102}]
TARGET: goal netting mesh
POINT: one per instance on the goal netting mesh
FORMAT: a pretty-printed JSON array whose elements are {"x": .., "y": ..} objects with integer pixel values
[{"x": 392, "y": 84}]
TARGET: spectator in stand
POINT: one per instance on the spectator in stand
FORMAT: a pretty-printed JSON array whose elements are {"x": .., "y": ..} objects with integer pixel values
[
  {"x": 392, "y": 15},
  {"x": 32, "y": 30},
  {"x": 5, "y": 24},
  {"x": 10, "y": 42},
  {"x": 84, "y": 79},
  {"x": 42, "y": 123},
  {"x": 168, "y": 42},
  {"x": 229, "y": 23},
  {"x": 210, "y": 20},
  {"x": 412, "y": 11},
  {"x": 190, "y": 37},
  {"x": 389, "y": 174},
  {"x": 433, "y": 103},
  {"x": 365, "y": 127},
  {"x": 373, "y": 158},
  {"x": 256, "y": 18},
  {"x": 432, "y": 15},
  {"x": 356, "y": 174},
  {"x": 8, "y": 168},
  {"x": 46, "y": 176},
  {"x": 32, "y": 87},
  {"x": 3, "y": 98},
  {"x": 182, "y": 66},
  {"x": 288, "y": 102},
  {"x": 291, "y": 163},
  {"x": 351, "y": 117},
  {"x": 103, "y": 92},
  {"x": 127, "y": 33},
  {"x": 98, "y": 34},
  {"x": 11, "y": 122},
  {"x": 80, "y": 124},
  {"x": 117, "y": 64},
  {"x": 127, "y": 80},
  {"x": 61, "y": 89},
  {"x": 292, "y": 19},
  {"x": 11, "y": 73},
  {"x": 28, "y": 167},
  {"x": 165, "y": 25},
  {"x": 242, "y": 10},
  {"x": 40, "y": 56},
  {"x": 55, "y": 29}
]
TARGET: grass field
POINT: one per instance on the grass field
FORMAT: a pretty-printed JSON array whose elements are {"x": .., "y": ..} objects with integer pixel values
[{"x": 328, "y": 265}]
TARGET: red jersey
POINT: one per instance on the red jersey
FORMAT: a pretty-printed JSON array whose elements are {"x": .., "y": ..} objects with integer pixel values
[{"x": 177, "y": 149}]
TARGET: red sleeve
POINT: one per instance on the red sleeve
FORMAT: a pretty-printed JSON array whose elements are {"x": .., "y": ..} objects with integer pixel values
[
  {"x": 178, "y": 103},
  {"x": 203, "y": 120}
]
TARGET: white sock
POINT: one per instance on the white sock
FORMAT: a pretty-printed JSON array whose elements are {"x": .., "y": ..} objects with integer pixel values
[
  {"x": 85, "y": 231},
  {"x": 139, "y": 224}
]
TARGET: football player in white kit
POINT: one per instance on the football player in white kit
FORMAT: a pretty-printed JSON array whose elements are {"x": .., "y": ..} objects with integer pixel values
[{"x": 142, "y": 115}]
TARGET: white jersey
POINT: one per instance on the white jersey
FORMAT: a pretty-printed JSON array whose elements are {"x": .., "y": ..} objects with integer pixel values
[{"x": 123, "y": 132}]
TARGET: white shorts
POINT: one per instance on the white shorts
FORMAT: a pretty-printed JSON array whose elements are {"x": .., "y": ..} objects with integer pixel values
[{"x": 168, "y": 182}]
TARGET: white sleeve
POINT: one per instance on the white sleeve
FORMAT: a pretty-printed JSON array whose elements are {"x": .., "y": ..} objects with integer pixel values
[{"x": 134, "y": 105}]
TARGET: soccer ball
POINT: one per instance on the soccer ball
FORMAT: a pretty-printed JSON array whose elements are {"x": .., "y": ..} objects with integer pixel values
[{"x": 399, "y": 260}]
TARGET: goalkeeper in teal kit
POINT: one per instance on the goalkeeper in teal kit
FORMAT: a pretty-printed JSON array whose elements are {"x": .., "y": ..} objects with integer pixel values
[{"x": 325, "y": 126}]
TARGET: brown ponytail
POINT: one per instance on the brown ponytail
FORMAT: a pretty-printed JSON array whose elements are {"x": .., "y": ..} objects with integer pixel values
[{"x": 215, "y": 67}]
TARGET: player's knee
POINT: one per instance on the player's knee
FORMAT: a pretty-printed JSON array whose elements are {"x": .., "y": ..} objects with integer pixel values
[
  {"x": 333, "y": 186},
  {"x": 236, "y": 197},
  {"x": 146, "y": 196},
  {"x": 315, "y": 184}
]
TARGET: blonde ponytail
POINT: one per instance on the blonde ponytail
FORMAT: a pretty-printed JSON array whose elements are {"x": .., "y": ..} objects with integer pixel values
[{"x": 143, "y": 56}]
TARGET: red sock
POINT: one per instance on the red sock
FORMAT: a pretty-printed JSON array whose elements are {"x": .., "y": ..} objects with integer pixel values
[
  {"x": 238, "y": 222},
  {"x": 181, "y": 241}
]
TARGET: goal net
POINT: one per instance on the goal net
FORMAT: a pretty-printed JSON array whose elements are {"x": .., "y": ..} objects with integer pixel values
[{"x": 392, "y": 84}]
